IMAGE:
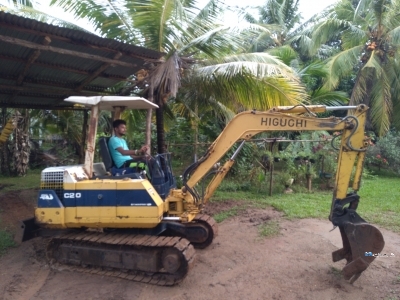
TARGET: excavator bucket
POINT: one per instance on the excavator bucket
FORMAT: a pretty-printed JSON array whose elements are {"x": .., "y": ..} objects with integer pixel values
[{"x": 361, "y": 243}]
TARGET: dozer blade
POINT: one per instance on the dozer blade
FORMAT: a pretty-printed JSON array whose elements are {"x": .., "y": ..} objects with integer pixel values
[
  {"x": 26, "y": 230},
  {"x": 359, "y": 241}
]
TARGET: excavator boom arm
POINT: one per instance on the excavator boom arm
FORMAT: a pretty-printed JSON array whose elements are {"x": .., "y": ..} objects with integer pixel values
[
  {"x": 358, "y": 236},
  {"x": 247, "y": 124}
]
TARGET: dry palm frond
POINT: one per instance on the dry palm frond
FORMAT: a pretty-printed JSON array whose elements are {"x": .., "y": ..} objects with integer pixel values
[{"x": 20, "y": 145}]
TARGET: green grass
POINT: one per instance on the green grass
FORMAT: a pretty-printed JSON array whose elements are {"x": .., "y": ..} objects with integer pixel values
[
  {"x": 6, "y": 241},
  {"x": 379, "y": 202},
  {"x": 219, "y": 217},
  {"x": 30, "y": 181},
  {"x": 269, "y": 229}
]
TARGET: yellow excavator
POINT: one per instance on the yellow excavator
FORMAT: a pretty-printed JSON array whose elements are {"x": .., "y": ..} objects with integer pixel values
[{"x": 118, "y": 222}]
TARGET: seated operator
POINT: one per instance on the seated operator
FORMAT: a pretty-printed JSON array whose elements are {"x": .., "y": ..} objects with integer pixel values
[{"x": 121, "y": 155}]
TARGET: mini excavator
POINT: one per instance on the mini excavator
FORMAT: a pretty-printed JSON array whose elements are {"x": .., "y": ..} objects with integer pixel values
[{"x": 118, "y": 222}]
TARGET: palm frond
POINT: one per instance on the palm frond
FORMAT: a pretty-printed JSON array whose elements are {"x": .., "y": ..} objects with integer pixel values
[
  {"x": 353, "y": 36},
  {"x": 316, "y": 69},
  {"x": 329, "y": 98},
  {"x": 257, "y": 64},
  {"x": 360, "y": 92},
  {"x": 33, "y": 13},
  {"x": 396, "y": 114},
  {"x": 394, "y": 36},
  {"x": 186, "y": 102},
  {"x": 374, "y": 63},
  {"x": 109, "y": 18},
  {"x": 166, "y": 76},
  {"x": 231, "y": 88},
  {"x": 381, "y": 104},
  {"x": 285, "y": 53},
  {"x": 328, "y": 30},
  {"x": 341, "y": 65},
  {"x": 362, "y": 6}
]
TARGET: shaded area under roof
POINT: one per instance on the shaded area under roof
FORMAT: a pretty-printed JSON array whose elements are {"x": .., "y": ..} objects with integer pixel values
[{"x": 42, "y": 64}]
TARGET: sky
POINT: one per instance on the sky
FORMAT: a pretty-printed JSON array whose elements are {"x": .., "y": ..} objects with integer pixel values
[{"x": 307, "y": 8}]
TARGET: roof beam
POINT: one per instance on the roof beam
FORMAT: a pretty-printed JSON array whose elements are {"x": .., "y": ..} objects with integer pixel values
[
  {"x": 31, "y": 45},
  {"x": 61, "y": 38},
  {"x": 63, "y": 68},
  {"x": 65, "y": 85},
  {"x": 97, "y": 73},
  {"x": 38, "y": 106},
  {"x": 35, "y": 54},
  {"x": 58, "y": 92}
]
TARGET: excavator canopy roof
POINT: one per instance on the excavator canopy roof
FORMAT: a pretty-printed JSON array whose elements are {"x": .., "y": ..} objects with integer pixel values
[{"x": 110, "y": 102}]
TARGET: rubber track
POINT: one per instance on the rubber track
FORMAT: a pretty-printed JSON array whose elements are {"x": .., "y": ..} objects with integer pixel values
[
  {"x": 203, "y": 218},
  {"x": 209, "y": 220},
  {"x": 163, "y": 279}
]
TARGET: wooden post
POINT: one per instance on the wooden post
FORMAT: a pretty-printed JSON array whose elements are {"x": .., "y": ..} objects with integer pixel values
[
  {"x": 270, "y": 179},
  {"x": 91, "y": 141},
  {"x": 308, "y": 182},
  {"x": 117, "y": 112},
  {"x": 84, "y": 136},
  {"x": 271, "y": 168}
]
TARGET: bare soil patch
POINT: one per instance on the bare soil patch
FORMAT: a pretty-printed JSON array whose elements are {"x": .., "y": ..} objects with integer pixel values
[
  {"x": 213, "y": 208},
  {"x": 240, "y": 264},
  {"x": 16, "y": 206}
]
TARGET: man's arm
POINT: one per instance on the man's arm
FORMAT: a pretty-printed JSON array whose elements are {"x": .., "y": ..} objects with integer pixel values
[{"x": 123, "y": 151}]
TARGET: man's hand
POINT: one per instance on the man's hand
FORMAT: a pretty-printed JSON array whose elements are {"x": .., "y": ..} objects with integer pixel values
[{"x": 144, "y": 149}]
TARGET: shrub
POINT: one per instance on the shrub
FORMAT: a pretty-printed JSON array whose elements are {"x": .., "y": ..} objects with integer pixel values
[{"x": 386, "y": 152}]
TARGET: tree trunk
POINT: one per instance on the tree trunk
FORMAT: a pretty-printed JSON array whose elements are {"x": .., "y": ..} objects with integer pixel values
[
  {"x": 160, "y": 128},
  {"x": 84, "y": 136},
  {"x": 21, "y": 147},
  {"x": 5, "y": 165},
  {"x": 148, "y": 121},
  {"x": 196, "y": 132},
  {"x": 5, "y": 159},
  {"x": 160, "y": 123}
]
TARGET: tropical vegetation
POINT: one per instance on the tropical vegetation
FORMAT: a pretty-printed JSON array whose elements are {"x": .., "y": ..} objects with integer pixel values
[
  {"x": 347, "y": 54},
  {"x": 211, "y": 71}
]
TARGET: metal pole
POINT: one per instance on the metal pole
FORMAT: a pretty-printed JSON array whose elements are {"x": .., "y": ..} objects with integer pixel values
[
  {"x": 328, "y": 108},
  {"x": 237, "y": 150}
]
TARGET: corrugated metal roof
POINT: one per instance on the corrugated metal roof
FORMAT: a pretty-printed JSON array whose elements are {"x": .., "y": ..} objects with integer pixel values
[{"x": 41, "y": 64}]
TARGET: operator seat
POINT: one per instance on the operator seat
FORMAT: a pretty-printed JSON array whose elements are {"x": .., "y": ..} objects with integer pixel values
[
  {"x": 109, "y": 163},
  {"x": 105, "y": 153}
]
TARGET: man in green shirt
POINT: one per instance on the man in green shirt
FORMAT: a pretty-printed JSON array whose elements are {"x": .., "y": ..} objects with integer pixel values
[{"x": 120, "y": 153}]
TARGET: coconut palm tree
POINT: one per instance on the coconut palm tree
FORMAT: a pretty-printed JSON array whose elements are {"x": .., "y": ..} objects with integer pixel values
[
  {"x": 197, "y": 47},
  {"x": 282, "y": 18},
  {"x": 368, "y": 35}
]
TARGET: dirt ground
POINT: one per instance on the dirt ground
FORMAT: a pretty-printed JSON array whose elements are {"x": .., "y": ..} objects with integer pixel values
[{"x": 240, "y": 264}]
